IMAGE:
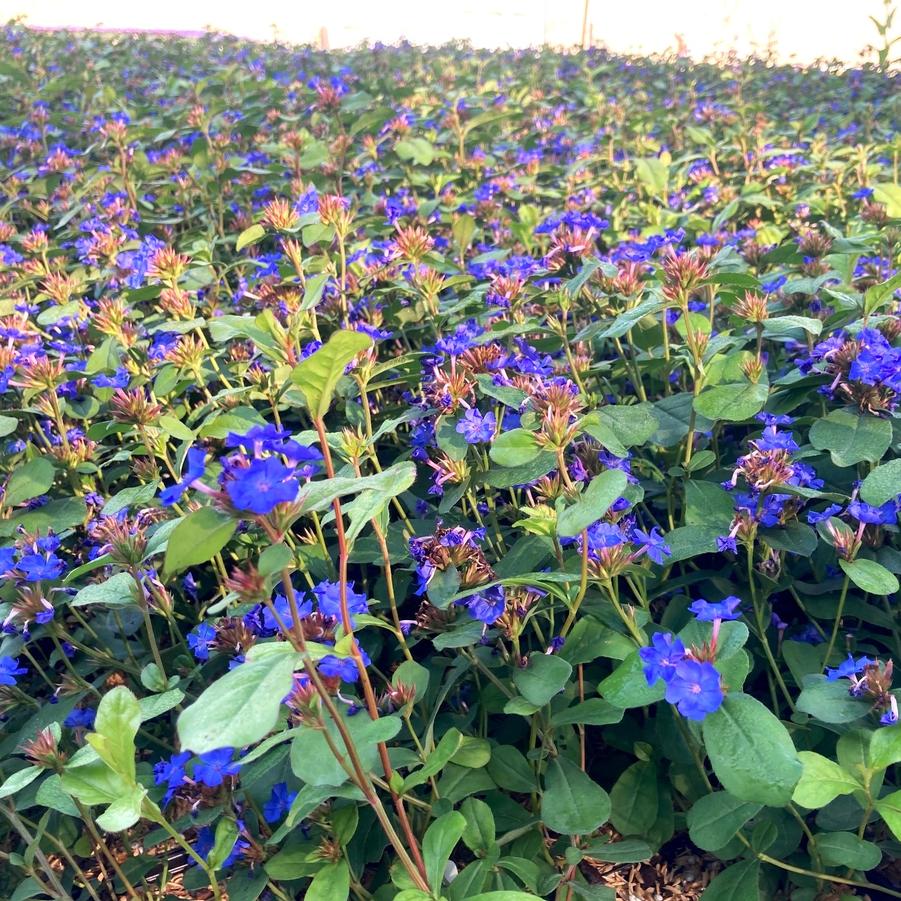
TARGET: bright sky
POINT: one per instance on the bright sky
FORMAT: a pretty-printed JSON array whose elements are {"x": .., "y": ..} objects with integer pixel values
[{"x": 800, "y": 29}]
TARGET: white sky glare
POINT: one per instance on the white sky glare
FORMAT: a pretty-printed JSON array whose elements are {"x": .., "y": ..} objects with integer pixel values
[{"x": 800, "y": 30}]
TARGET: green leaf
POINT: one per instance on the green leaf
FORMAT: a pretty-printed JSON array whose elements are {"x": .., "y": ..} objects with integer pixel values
[
  {"x": 627, "y": 850},
  {"x": 785, "y": 325},
  {"x": 885, "y": 747},
  {"x": 830, "y": 702},
  {"x": 883, "y": 484},
  {"x": 247, "y": 885},
  {"x": 318, "y": 374},
  {"x": 116, "y": 723},
  {"x": 198, "y": 538},
  {"x": 293, "y": 862},
  {"x": 514, "y": 448},
  {"x": 437, "y": 760},
  {"x": 621, "y": 323},
  {"x": 707, "y": 504},
  {"x": 443, "y": 586},
  {"x": 868, "y": 575},
  {"x": 124, "y": 811},
  {"x": 889, "y": 808},
  {"x": 510, "y": 397},
  {"x": 593, "y": 712},
  {"x": 654, "y": 174},
  {"x": 634, "y": 799},
  {"x": 313, "y": 290},
  {"x": 462, "y": 635},
  {"x": 572, "y": 804},
  {"x": 331, "y": 883},
  {"x": 511, "y": 771},
  {"x": 543, "y": 677},
  {"x": 368, "y": 505},
  {"x": 691, "y": 541},
  {"x": 438, "y": 844},
  {"x": 450, "y": 440},
  {"x": 714, "y": 819},
  {"x": 51, "y": 794},
  {"x": 503, "y": 896},
  {"x": 31, "y": 479},
  {"x": 240, "y": 707},
  {"x": 312, "y": 760},
  {"x": 630, "y": 425},
  {"x": 116, "y": 591},
  {"x": 594, "y": 502},
  {"x": 479, "y": 832},
  {"x": 844, "y": 849},
  {"x": 19, "y": 780},
  {"x": 732, "y": 403},
  {"x": 673, "y": 414},
  {"x": 417, "y": 150},
  {"x": 156, "y": 705},
  {"x": 91, "y": 781},
  {"x": 135, "y": 497},
  {"x": 740, "y": 882},
  {"x": 751, "y": 751},
  {"x": 317, "y": 496},
  {"x": 851, "y": 437},
  {"x": 223, "y": 842},
  {"x": 890, "y": 195},
  {"x": 176, "y": 428},
  {"x": 795, "y": 537},
  {"x": 463, "y": 229},
  {"x": 627, "y": 687},
  {"x": 508, "y": 476},
  {"x": 412, "y": 673},
  {"x": 249, "y": 236},
  {"x": 822, "y": 781},
  {"x": 473, "y": 752}
]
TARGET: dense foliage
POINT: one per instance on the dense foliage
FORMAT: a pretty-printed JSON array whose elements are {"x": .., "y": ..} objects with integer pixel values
[{"x": 438, "y": 473}]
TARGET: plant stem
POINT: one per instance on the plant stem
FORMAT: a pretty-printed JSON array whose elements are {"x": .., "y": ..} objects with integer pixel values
[{"x": 837, "y": 623}]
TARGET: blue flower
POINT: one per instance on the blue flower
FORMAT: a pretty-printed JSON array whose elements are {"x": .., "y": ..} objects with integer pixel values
[
  {"x": 707, "y": 612},
  {"x": 773, "y": 439},
  {"x": 9, "y": 669},
  {"x": 7, "y": 560},
  {"x": 487, "y": 606},
  {"x": 119, "y": 379},
  {"x": 727, "y": 543},
  {"x": 196, "y": 468},
  {"x": 260, "y": 487},
  {"x": 849, "y": 667},
  {"x": 344, "y": 668},
  {"x": 199, "y": 640},
  {"x": 212, "y": 767},
  {"x": 604, "y": 534},
  {"x": 39, "y": 567},
  {"x": 328, "y": 596},
  {"x": 81, "y": 718},
  {"x": 813, "y": 517},
  {"x": 266, "y": 437},
  {"x": 203, "y": 844},
  {"x": 657, "y": 549},
  {"x": 887, "y": 514},
  {"x": 475, "y": 427},
  {"x": 279, "y": 802},
  {"x": 661, "y": 658},
  {"x": 172, "y": 773},
  {"x": 695, "y": 689}
]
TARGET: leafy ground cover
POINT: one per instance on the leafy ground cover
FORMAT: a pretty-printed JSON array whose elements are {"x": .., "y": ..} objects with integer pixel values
[{"x": 445, "y": 474}]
